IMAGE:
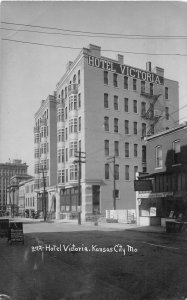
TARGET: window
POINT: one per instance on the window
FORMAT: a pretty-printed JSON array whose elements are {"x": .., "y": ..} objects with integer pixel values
[
  {"x": 60, "y": 155},
  {"x": 134, "y": 84},
  {"x": 166, "y": 92},
  {"x": 116, "y": 172},
  {"x": 106, "y": 147},
  {"x": 73, "y": 172},
  {"x": 142, "y": 86},
  {"x": 79, "y": 77},
  {"x": 73, "y": 125},
  {"x": 60, "y": 135},
  {"x": 126, "y": 149},
  {"x": 79, "y": 123},
  {"x": 116, "y": 148},
  {"x": 151, "y": 89},
  {"x": 135, "y": 107},
  {"x": 61, "y": 178},
  {"x": 105, "y": 77},
  {"x": 79, "y": 145},
  {"x": 126, "y": 126},
  {"x": 158, "y": 151},
  {"x": 106, "y": 171},
  {"x": 176, "y": 152},
  {"x": 167, "y": 113},
  {"x": 65, "y": 92},
  {"x": 115, "y": 102},
  {"x": 115, "y": 79},
  {"x": 115, "y": 125},
  {"x": 66, "y": 134},
  {"x": 72, "y": 148},
  {"x": 144, "y": 154},
  {"x": 66, "y": 175},
  {"x": 66, "y": 113},
  {"x": 126, "y": 84},
  {"x": 135, "y": 150},
  {"x": 135, "y": 171},
  {"x": 105, "y": 100},
  {"x": 66, "y": 154},
  {"x": 126, "y": 104},
  {"x": 106, "y": 123},
  {"x": 72, "y": 102},
  {"x": 143, "y": 129},
  {"x": 127, "y": 177},
  {"x": 60, "y": 115},
  {"x": 79, "y": 100},
  {"x": 135, "y": 127},
  {"x": 143, "y": 109}
]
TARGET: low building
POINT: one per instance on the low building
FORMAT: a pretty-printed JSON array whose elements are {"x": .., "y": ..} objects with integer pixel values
[{"x": 162, "y": 193}]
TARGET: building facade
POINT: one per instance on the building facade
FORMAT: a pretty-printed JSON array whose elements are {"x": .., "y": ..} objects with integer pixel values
[
  {"x": 28, "y": 197},
  {"x": 12, "y": 204},
  {"x": 101, "y": 110},
  {"x": 45, "y": 153},
  {"x": 7, "y": 170},
  {"x": 104, "y": 109},
  {"x": 167, "y": 168}
]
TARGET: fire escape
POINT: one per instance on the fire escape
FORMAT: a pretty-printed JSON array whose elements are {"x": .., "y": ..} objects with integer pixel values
[{"x": 151, "y": 114}]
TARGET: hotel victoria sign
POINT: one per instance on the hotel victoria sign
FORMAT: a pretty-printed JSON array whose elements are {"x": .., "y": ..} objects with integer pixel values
[{"x": 125, "y": 70}]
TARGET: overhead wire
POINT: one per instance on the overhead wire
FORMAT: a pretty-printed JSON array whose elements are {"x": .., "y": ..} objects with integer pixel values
[
  {"x": 92, "y": 35},
  {"x": 104, "y": 50},
  {"x": 97, "y": 33}
]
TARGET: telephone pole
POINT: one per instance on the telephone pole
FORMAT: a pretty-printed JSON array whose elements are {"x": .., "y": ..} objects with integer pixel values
[
  {"x": 113, "y": 159},
  {"x": 42, "y": 170},
  {"x": 80, "y": 160}
]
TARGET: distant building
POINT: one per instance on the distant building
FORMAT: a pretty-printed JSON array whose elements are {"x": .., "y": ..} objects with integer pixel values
[
  {"x": 28, "y": 197},
  {"x": 45, "y": 149},
  {"x": 13, "y": 192},
  {"x": 104, "y": 108},
  {"x": 7, "y": 170},
  {"x": 167, "y": 168}
]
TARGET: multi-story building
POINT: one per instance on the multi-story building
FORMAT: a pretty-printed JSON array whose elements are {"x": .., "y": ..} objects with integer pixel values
[
  {"x": 167, "y": 178},
  {"x": 28, "y": 197},
  {"x": 7, "y": 170},
  {"x": 45, "y": 145},
  {"x": 105, "y": 108},
  {"x": 12, "y": 204}
]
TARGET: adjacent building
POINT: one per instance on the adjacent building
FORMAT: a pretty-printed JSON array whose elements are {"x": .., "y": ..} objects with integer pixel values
[
  {"x": 102, "y": 109},
  {"x": 7, "y": 170},
  {"x": 167, "y": 168}
]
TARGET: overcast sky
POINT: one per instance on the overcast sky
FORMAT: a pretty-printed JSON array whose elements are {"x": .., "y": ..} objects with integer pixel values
[{"x": 29, "y": 73}]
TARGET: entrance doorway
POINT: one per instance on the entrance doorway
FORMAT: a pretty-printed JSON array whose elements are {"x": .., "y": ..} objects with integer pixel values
[{"x": 96, "y": 198}]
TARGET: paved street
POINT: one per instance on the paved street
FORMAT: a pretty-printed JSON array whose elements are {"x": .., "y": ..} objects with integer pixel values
[{"x": 64, "y": 261}]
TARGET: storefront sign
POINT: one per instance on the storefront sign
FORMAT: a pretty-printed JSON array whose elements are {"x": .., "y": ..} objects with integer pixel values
[
  {"x": 142, "y": 185},
  {"x": 155, "y": 195},
  {"x": 125, "y": 70}
]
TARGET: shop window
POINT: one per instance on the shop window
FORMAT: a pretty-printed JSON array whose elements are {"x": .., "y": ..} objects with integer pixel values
[
  {"x": 176, "y": 152},
  {"x": 158, "y": 153}
]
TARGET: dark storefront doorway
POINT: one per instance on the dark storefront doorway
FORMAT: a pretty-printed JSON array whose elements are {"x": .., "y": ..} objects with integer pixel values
[{"x": 96, "y": 198}]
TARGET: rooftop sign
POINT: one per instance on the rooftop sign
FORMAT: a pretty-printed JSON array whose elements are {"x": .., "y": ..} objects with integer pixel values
[{"x": 125, "y": 70}]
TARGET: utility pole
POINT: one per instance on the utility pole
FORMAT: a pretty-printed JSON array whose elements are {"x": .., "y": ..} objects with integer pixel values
[
  {"x": 79, "y": 161},
  {"x": 44, "y": 198},
  {"x": 113, "y": 159}
]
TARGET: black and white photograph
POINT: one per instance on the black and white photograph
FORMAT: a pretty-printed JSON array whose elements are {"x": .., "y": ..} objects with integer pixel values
[{"x": 93, "y": 150}]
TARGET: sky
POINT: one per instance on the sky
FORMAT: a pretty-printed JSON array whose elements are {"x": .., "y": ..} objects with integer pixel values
[{"x": 30, "y": 72}]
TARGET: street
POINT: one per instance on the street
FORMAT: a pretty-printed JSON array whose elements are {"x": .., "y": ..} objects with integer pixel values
[{"x": 69, "y": 261}]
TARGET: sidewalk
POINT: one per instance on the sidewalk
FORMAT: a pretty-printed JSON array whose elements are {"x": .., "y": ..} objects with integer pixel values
[{"x": 65, "y": 225}]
